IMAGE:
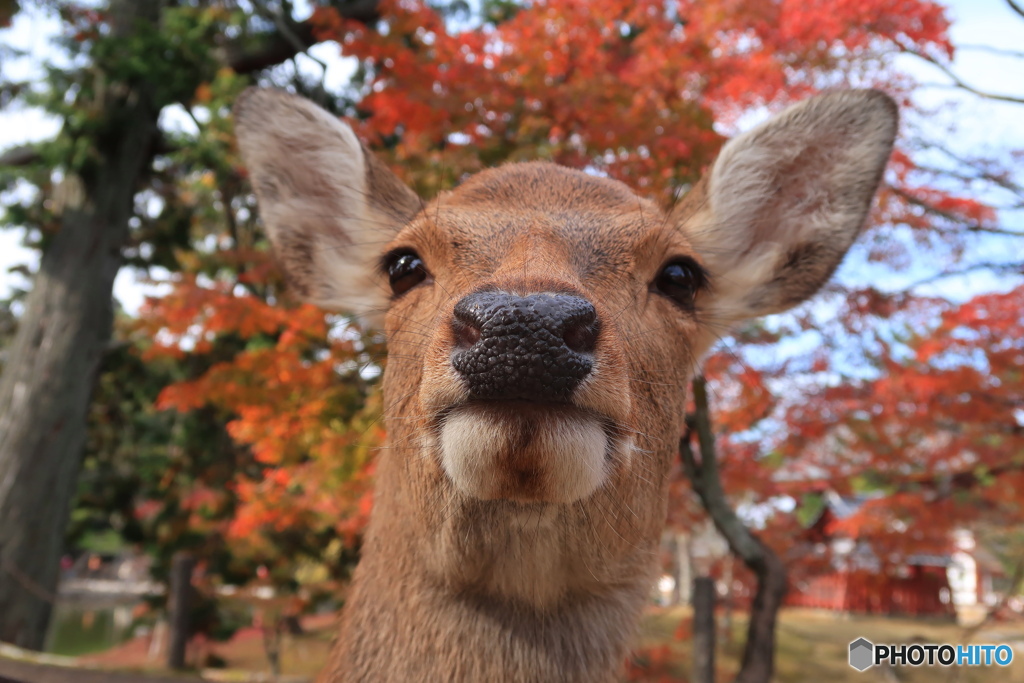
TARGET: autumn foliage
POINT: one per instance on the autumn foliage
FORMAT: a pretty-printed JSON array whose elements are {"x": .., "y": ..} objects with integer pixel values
[{"x": 645, "y": 92}]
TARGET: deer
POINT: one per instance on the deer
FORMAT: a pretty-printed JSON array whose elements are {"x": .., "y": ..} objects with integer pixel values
[{"x": 542, "y": 325}]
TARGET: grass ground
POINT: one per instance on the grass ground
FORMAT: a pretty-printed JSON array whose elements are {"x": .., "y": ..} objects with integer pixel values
[{"x": 812, "y": 648}]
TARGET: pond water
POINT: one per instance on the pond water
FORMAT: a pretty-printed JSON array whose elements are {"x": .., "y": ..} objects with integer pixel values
[{"x": 81, "y": 626}]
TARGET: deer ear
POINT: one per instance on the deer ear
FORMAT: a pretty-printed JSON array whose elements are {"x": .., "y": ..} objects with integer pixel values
[
  {"x": 784, "y": 202},
  {"x": 327, "y": 203}
]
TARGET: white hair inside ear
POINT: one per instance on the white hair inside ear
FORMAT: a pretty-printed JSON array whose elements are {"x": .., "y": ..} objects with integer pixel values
[
  {"x": 327, "y": 203},
  {"x": 784, "y": 201}
]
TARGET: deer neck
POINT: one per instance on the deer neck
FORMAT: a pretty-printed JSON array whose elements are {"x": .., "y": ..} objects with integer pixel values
[{"x": 486, "y": 590}]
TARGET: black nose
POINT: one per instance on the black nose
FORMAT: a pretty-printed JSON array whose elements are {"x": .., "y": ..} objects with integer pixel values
[{"x": 537, "y": 347}]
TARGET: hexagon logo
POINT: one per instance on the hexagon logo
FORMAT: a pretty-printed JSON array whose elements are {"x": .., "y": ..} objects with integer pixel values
[{"x": 862, "y": 653}]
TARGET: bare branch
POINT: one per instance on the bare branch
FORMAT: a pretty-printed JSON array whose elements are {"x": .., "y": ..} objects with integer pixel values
[
  {"x": 1015, "y": 7},
  {"x": 273, "y": 51},
  {"x": 958, "y": 82},
  {"x": 982, "y": 173},
  {"x": 917, "y": 201},
  {"x": 992, "y": 50},
  {"x": 27, "y": 582},
  {"x": 996, "y": 267},
  {"x": 22, "y": 155},
  {"x": 292, "y": 39},
  {"x": 282, "y": 24}
]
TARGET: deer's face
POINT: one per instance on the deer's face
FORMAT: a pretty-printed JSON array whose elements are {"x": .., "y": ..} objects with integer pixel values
[{"x": 542, "y": 323}]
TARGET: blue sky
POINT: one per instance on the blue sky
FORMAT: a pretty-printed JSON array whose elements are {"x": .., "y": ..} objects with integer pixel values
[{"x": 978, "y": 127}]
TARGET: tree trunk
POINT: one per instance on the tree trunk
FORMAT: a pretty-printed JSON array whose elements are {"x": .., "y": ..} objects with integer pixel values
[
  {"x": 759, "y": 652},
  {"x": 727, "y": 579},
  {"x": 53, "y": 360},
  {"x": 179, "y": 609},
  {"x": 703, "y": 630}
]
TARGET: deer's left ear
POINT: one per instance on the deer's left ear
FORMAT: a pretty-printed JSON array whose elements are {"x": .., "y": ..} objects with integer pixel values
[{"x": 784, "y": 202}]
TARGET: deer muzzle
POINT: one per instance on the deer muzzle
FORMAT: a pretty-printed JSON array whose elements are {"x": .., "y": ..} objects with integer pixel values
[{"x": 519, "y": 435}]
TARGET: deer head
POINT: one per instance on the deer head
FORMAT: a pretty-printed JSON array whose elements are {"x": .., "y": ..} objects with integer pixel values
[{"x": 542, "y": 326}]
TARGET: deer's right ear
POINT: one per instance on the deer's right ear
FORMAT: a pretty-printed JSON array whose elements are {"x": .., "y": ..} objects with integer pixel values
[{"x": 327, "y": 203}]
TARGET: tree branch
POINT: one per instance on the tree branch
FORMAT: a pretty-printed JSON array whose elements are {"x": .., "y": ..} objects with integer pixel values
[
  {"x": 916, "y": 201},
  {"x": 1015, "y": 7},
  {"x": 957, "y": 80},
  {"x": 962, "y": 176},
  {"x": 759, "y": 651},
  {"x": 292, "y": 39},
  {"x": 992, "y": 50},
  {"x": 27, "y": 582},
  {"x": 997, "y": 267},
  {"x": 22, "y": 155},
  {"x": 983, "y": 173}
]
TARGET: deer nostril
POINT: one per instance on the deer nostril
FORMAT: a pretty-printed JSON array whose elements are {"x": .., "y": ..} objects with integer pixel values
[
  {"x": 537, "y": 347},
  {"x": 581, "y": 337},
  {"x": 466, "y": 334}
]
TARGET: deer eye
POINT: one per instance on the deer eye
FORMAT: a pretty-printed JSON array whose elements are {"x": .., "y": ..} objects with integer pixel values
[
  {"x": 405, "y": 271},
  {"x": 680, "y": 279}
]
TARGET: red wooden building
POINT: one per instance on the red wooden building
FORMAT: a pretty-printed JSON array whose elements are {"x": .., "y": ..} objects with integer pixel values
[
  {"x": 855, "y": 579},
  {"x": 923, "y": 592}
]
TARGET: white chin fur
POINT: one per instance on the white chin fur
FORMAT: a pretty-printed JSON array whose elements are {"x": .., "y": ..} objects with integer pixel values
[{"x": 494, "y": 452}]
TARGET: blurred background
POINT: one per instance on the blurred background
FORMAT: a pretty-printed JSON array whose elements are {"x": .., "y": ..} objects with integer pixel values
[{"x": 162, "y": 396}]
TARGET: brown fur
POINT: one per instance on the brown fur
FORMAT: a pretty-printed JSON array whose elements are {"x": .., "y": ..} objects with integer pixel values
[{"x": 502, "y": 563}]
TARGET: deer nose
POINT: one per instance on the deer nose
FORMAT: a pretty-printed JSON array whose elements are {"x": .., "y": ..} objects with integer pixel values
[{"x": 537, "y": 347}]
